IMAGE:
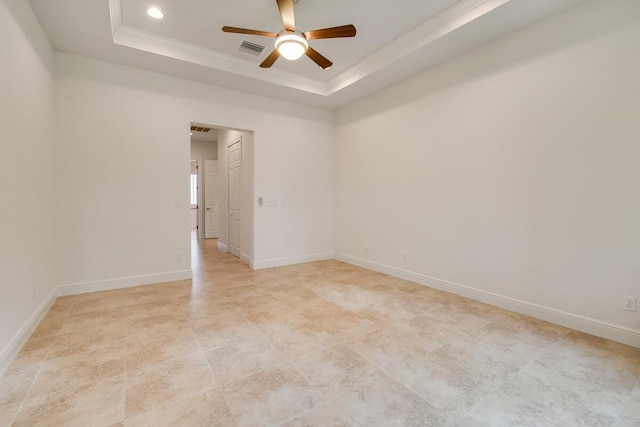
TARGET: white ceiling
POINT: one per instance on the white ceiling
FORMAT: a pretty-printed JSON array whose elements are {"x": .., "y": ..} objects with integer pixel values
[
  {"x": 394, "y": 39},
  {"x": 209, "y": 136}
]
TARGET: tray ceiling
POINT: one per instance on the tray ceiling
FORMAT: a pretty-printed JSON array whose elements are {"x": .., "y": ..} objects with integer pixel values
[{"x": 394, "y": 40}]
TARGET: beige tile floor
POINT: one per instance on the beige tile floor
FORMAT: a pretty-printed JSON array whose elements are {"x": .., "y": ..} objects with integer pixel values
[{"x": 319, "y": 344}]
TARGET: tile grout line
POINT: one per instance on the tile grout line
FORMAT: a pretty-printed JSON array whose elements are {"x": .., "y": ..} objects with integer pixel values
[
  {"x": 166, "y": 361},
  {"x": 388, "y": 374},
  {"x": 42, "y": 362},
  {"x": 320, "y": 405},
  {"x": 628, "y": 400},
  {"x": 538, "y": 354},
  {"x": 126, "y": 366},
  {"x": 220, "y": 388}
]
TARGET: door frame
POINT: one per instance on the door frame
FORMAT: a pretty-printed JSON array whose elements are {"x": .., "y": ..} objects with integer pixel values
[
  {"x": 198, "y": 196},
  {"x": 206, "y": 203},
  {"x": 247, "y": 137},
  {"x": 235, "y": 141}
]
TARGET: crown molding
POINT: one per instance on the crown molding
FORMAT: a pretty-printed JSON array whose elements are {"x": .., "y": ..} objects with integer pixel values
[
  {"x": 176, "y": 49},
  {"x": 442, "y": 24}
]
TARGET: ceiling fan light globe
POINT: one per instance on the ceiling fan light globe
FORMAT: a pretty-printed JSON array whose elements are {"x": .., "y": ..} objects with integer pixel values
[{"x": 291, "y": 46}]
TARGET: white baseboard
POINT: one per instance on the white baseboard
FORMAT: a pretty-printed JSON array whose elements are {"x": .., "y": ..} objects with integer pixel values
[
  {"x": 246, "y": 259},
  {"x": 12, "y": 348},
  {"x": 222, "y": 247},
  {"x": 279, "y": 262},
  {"x": 570, "y": 320},
  {"x": 123, "y": 282}
]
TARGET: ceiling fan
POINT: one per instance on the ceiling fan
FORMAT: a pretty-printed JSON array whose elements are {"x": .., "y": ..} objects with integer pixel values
[{"x": 291, "y": 43}]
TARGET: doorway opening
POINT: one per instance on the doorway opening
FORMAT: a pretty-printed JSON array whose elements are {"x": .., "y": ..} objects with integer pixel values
[{"x": 221, "y": 191}]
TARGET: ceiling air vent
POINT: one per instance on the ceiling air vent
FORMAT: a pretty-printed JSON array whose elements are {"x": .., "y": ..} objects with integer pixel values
[
  {"x": 199, "y": 129},
  {"x": 250, "y": 48}
]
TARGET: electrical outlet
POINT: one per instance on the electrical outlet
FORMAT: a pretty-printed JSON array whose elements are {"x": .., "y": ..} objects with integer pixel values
[
  {"x": 179, "y": 256},
  {"x": 629, "y": 304},
  {"x": 365, "y": 249},
  {"x": 405, "y": 257}
]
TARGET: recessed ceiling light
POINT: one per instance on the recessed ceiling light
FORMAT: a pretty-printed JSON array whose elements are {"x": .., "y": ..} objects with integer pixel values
[{"x": 156, "y": 13}]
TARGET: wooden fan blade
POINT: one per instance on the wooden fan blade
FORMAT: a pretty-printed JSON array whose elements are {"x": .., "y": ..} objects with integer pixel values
[
  {"x": 246, "y": 31},
  {"x": 286, "y": 11},
  {"x": 270, "y": 59},
  {"x": 316, "y": 57},
  {"x": 331, "y": 33}
]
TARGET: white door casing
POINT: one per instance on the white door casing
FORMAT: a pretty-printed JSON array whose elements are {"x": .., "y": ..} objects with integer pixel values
[
  {"x": 235, "y": 199},
  {"x": 194, "y": 206},
  {"x": 211, "y": 199}
]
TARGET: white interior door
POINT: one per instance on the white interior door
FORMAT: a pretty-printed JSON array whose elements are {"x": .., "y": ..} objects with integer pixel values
[
  {"x": 235, "y": 188},
  {"x": 211, "y": 199}
]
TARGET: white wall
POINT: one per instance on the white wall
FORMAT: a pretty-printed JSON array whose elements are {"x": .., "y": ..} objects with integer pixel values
[
  {"x": 204, "y": 150},
  {"x": 120, "y": 222},
  {"x": 26, "y": 171},
  {"x": 512, "y": 170},
  {"x": 300, "y": 171}
]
